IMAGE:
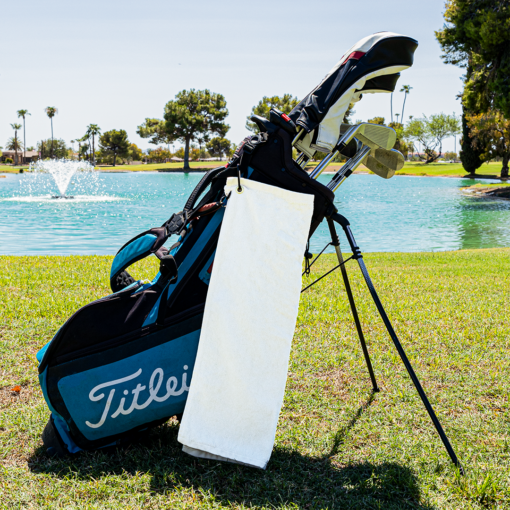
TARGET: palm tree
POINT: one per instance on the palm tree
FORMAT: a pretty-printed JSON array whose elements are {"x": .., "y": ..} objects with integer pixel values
[
  {"x": 397, "y": 115},
  {"x": 24, "y": 113},
  {"x": 406, "y": 89},
  {"x": 93, "y": 130},
  {"x": 14, "y": 143},
  {"x": 51, "y": 111},
  {"x": 85, "y": 138}
]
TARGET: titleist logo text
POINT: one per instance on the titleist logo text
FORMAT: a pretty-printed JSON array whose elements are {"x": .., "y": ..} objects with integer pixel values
[{"x": 155, "y": 383}]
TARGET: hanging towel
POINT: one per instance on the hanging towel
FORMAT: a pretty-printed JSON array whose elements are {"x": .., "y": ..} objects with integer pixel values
[{"x": 240, "y": 372}]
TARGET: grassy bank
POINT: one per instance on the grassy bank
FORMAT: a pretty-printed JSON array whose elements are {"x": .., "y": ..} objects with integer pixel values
[
  {"x": 151, "y": 167},
  {"x": 337, "y": 446},
  {"x": 500, "y": 189},
  {"x": 410, "y": 168},
  {"x": 154, "y": 167},
  {"x": 490, "y": 170}
]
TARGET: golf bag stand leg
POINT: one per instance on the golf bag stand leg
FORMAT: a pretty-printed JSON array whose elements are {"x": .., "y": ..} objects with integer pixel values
[
  {"x": 336, "y": 243},
  {"x": 344, "y": 223}
]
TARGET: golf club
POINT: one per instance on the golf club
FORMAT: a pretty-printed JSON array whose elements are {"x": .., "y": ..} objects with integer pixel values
[{"x": 384, "y": 163}]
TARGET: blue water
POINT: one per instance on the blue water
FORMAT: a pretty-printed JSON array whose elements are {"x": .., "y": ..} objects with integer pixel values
[{"x": 401, "y": 214}]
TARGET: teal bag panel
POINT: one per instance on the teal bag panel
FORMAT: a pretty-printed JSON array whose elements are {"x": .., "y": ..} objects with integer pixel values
[{"x": 117, "y": 397}]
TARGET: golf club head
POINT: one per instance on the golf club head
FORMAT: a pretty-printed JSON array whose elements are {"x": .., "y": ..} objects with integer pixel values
[
  {"x": 392, "y": 159},
  {"x": 373, "y": 135},
  {"x": 377, "y": 135},
  {"x": 378, "y": 168}
]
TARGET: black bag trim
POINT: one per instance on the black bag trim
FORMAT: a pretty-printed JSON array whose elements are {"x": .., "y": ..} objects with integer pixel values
[{"x": 174, "y": 329}]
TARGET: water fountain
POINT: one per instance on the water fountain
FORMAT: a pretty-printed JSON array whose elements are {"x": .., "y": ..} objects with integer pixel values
[{"x": 62, "y": 171}]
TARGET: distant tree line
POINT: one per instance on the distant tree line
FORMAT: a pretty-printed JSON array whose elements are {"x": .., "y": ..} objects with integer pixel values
[{"x": 476, "y": 37}]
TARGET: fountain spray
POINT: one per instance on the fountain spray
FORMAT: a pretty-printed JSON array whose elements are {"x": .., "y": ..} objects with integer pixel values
[{"x": 62, "y": 171}]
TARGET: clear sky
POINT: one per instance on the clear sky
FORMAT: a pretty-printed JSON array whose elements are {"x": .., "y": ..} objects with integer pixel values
[{"x": 114, "y": 63}]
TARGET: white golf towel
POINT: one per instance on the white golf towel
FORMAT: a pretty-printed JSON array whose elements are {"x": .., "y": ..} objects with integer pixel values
[{"x": 239, "y": 378}]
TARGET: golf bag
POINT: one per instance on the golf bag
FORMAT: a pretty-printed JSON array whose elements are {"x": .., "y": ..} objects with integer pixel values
[{"x": 123, "y": 363}]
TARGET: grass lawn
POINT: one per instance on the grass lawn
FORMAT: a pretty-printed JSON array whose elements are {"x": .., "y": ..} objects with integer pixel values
[
  {"x": 491, "y": 185},
  {"x": 431, "y": 170},
  {"x": 152, "y": 167},
  {"x": 410, "y": 168},
  {"x": 337, "y": 445}
]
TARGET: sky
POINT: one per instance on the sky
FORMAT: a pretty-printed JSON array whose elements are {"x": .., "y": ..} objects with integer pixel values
[{"x": 115, "y": 63}]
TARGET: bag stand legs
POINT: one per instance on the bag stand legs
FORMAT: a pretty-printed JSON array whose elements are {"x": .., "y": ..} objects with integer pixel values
[
  {"x": 336, "y": 243},
  {"x": 344, "y": 223}
]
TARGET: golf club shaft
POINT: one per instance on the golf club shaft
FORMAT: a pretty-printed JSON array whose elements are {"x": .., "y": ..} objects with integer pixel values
[
  {"x": 323, "y": 164},
  {"x": 351, "y": 165}
]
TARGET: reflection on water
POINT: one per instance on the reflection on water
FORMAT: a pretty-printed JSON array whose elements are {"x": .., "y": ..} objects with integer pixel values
[{"x": 400, "y": 214}]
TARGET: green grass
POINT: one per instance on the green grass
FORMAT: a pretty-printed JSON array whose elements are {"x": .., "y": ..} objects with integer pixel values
[
  {"x": 151, "y": 167},
  {"x": 410, "y": 168},
  {"x": 430, "y": 170},
  {"x": 491, "y": 185},
  {"x": 450, "y": 169},
  {"x": 337, "y": 445}
]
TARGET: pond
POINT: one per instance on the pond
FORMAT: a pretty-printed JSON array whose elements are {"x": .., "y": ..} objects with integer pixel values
[{"x": 401, "y": 214}]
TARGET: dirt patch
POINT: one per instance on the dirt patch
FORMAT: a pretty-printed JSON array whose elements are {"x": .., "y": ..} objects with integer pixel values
[{"x": 15, "y": 395}]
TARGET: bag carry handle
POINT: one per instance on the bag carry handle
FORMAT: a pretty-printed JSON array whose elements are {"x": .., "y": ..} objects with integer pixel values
[
  {"x": 152, "y": 241},
  {"x": 200, "y": 188},
  {"x": 145, "y": 244}
]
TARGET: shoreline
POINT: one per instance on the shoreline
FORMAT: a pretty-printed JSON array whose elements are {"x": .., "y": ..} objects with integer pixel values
[
  {"x": 330, "y": 171},
  {"x": 410, "y": 253}
]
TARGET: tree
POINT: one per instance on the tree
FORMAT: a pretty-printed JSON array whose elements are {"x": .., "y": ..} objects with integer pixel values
[
  {"x": 494, "y": 131},
  {"x": 93, "y": 130},
  {"x": 134, "y": 153},
  {"x": 376, "y": 120},
  {"x": 219, "y": 147},
  {"x": 82, "y": 151},
  {"x": 431, "y": 131},
  {"x": 85, "y": 150},
  {"x": 449, "y": 155},
  {"x": 115, "y": 142},
  {"x": 193, "y": 113},
  {"x": 194, "y": 153},
  {"x": 284, "y": 103},
  {"x": 350, "y": 111},
  {"x": 51, "y": 111},
  {"x": 60, "y": 150},
  {"x": 23, "y": 114},
  {"x": 14, "y": 144},
  {"x": 406, "y": 89},
  {"x": 470, "y": 155},
  {"x": 154, "y": 129},
  {"x": 476, "y": 36},
  {"x": 400, "y": 143},
  {"x": 159, "y": 155}
]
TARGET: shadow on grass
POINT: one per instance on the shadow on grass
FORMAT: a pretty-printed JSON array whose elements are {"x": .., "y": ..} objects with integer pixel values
[{"x": 290, "y": 478}]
